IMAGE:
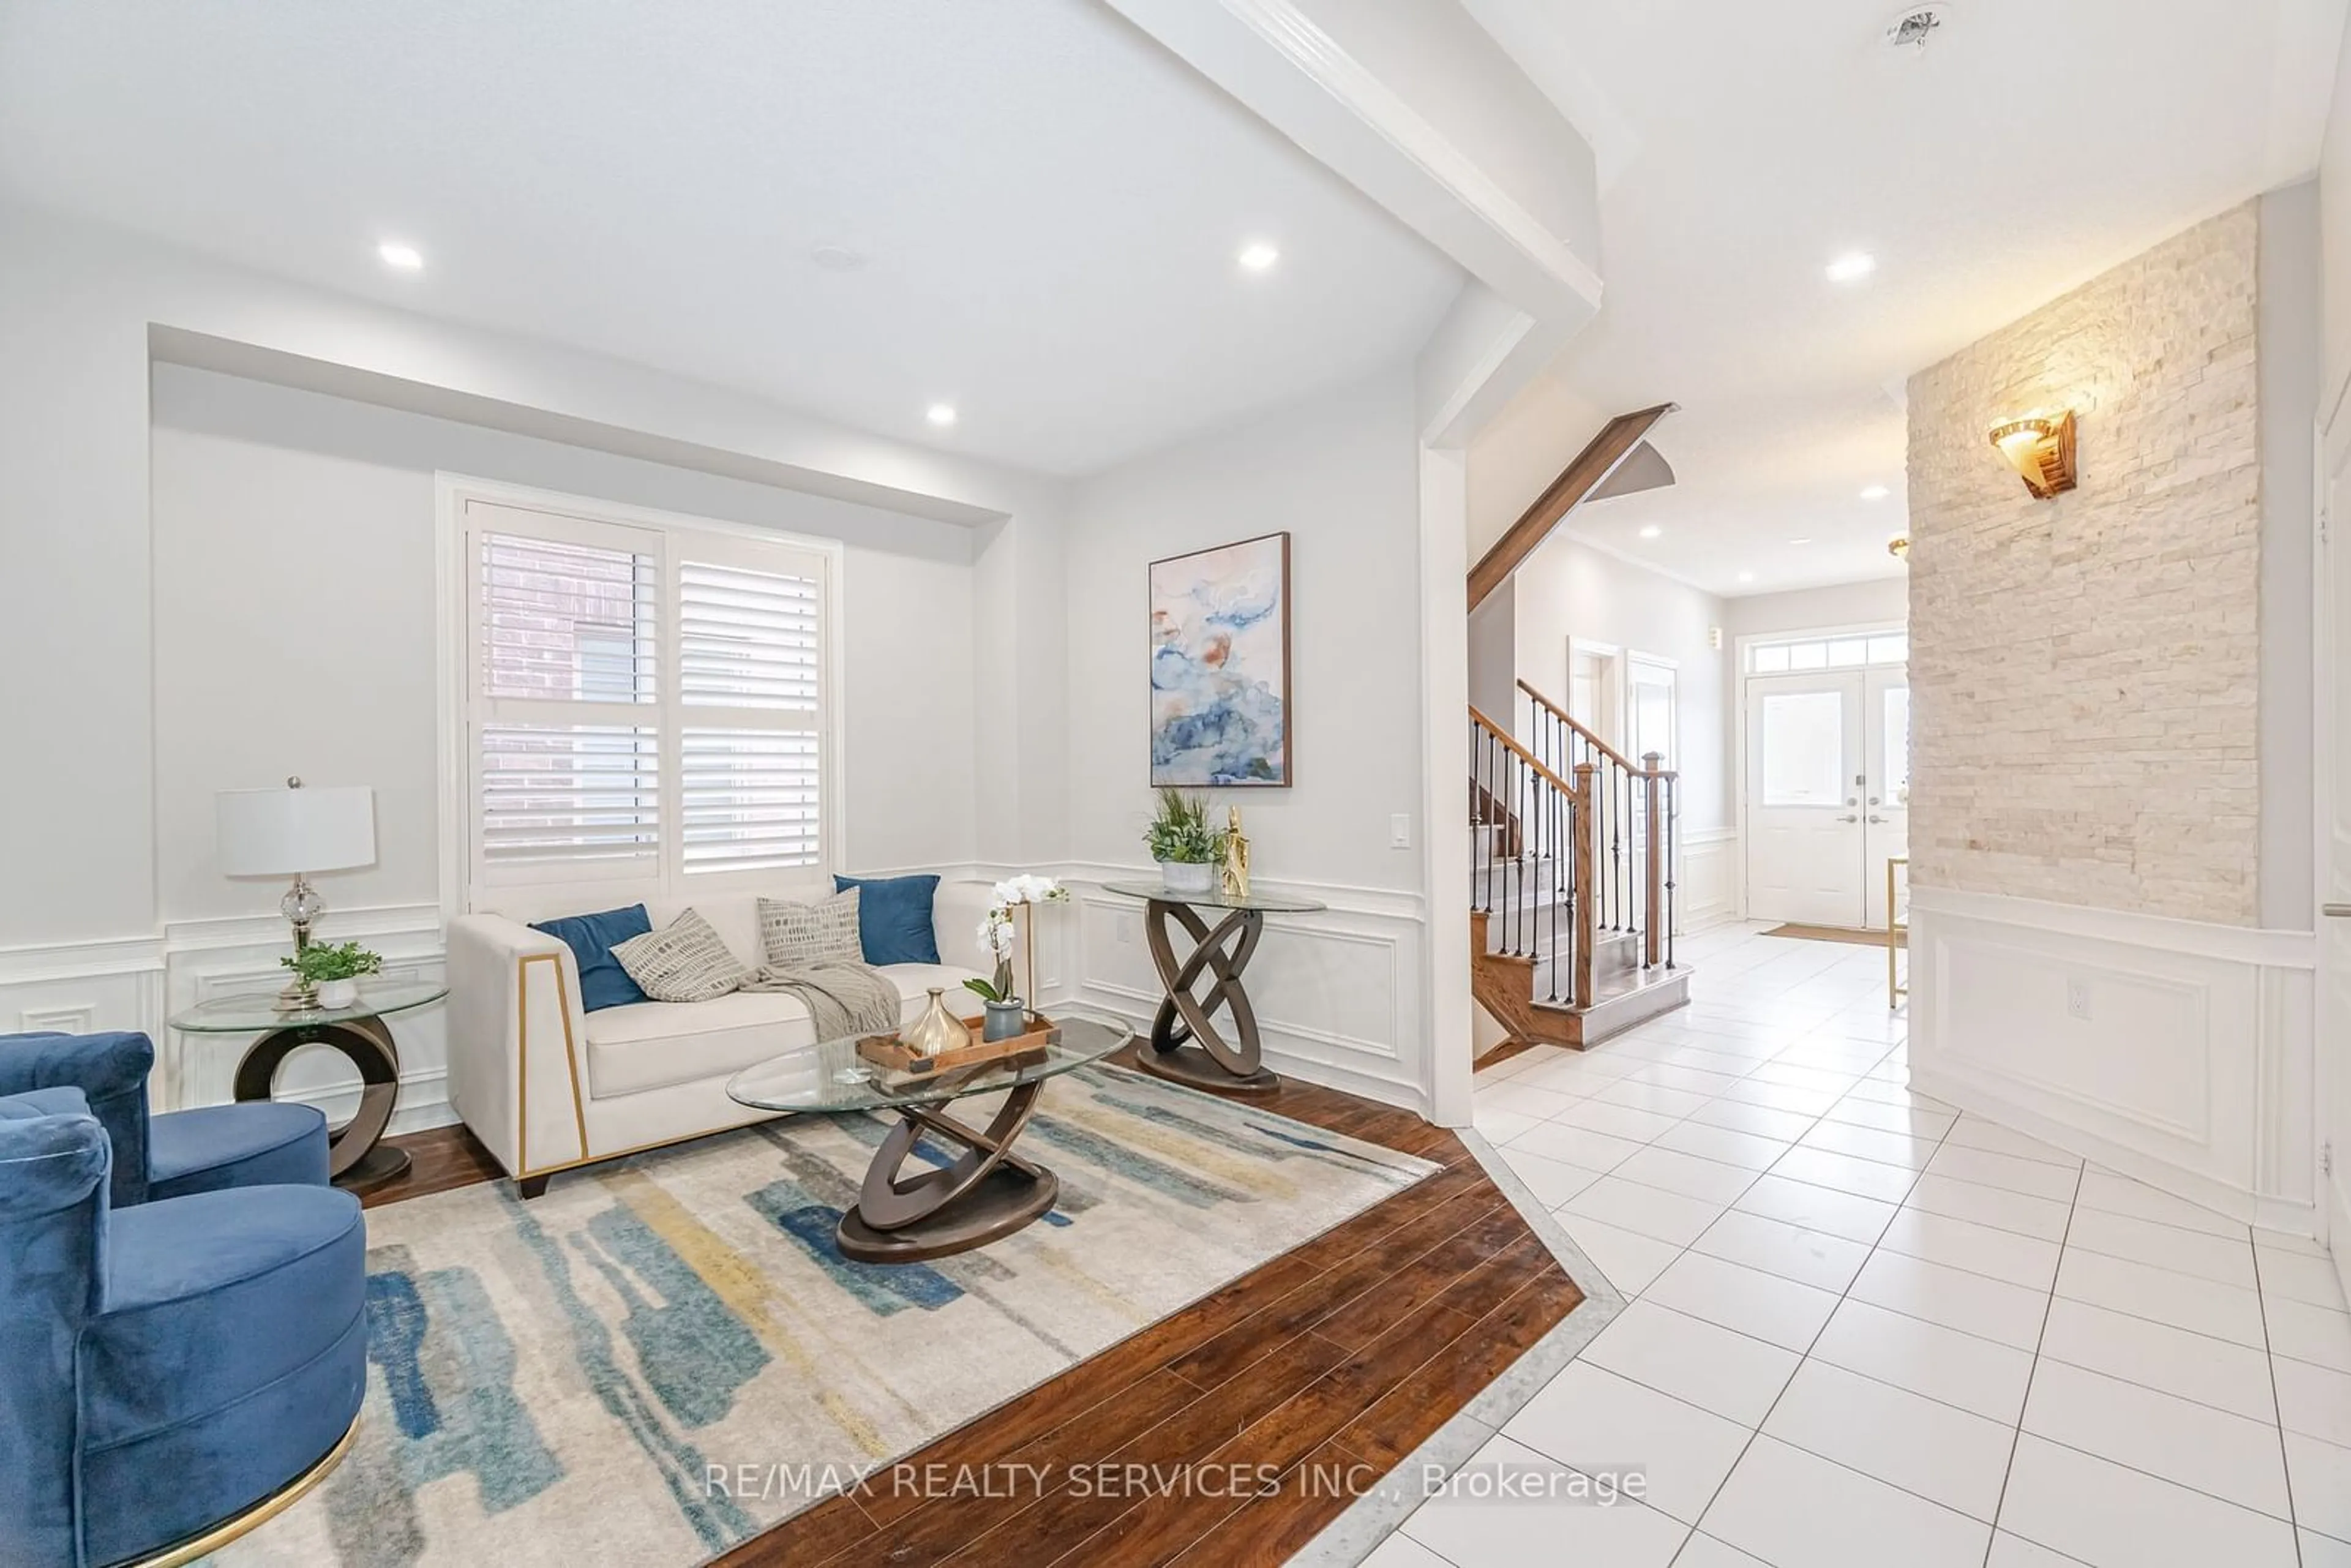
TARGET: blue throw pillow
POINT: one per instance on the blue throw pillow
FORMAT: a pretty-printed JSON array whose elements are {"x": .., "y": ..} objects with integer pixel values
[
  {"x": 894, "y": 917},
  {"x": 591, "y": 938}
]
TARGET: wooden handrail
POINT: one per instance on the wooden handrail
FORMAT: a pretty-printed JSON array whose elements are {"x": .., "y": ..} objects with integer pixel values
[
  {"x": 1523, "y": 755},
  {"x": 1590, "y": 469},
  {"x": 1614, "y": 755}
]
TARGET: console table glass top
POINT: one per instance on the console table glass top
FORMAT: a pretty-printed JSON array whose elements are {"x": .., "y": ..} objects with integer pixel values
[
  {"x": 830, "y": 1077},
  {"x": 1261, "y": 902},
  {"x": 258, "y": 1011}
]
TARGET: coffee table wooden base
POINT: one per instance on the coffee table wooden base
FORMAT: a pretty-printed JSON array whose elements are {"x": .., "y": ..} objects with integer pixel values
[
  {"x": 1007, "y": 1199},
  {"x": 984, "y": 1195}
]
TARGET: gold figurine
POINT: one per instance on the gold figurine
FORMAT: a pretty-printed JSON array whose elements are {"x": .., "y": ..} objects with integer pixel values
[{"x": 1237, "y": 870}]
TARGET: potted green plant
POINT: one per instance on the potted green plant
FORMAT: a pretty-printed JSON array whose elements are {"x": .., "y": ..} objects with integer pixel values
[
  {"x": 332, "y": 971},
  {"x": 1187, "y": 848}
]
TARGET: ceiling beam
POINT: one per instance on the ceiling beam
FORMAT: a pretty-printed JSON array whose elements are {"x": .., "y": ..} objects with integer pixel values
[
  {"x": 1576, "y": 482},
  {"x": 1413, "y": 104}
]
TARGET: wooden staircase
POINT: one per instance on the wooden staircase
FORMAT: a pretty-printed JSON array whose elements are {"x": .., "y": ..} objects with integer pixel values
[{"x": 1571, "y": 893}]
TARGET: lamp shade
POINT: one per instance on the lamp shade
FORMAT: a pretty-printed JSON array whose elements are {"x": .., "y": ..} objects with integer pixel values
[{"x": 287, "y": 832}]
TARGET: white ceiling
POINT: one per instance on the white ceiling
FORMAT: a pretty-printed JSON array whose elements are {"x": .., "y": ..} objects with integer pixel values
[
  {"x": 1051, "y": 205},
  {"x": 1742, "y": 147}
]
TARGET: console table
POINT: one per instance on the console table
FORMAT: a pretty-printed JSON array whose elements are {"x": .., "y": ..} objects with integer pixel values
[
  {"x": 356, "y": 1158},
  {"x": 1185, "y": 1044}
]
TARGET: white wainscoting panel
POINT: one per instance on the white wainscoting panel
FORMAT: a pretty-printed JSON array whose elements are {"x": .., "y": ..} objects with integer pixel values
[
  {"x": 1708, "y": 890},
  {"x": 80, "y": 987},
  {"x": 2174, "y": 1052},
  {"x": 1338, "y": 992}
]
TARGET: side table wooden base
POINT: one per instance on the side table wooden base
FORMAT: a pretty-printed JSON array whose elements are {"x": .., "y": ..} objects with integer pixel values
[
  {"x": 1185, "y": 1046},
  {"x": 356, "y": 1158}
]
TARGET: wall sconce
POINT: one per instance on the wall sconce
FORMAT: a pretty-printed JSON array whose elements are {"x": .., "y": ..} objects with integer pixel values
[
  {"x": 1899, "y": 549},
  {"x": 2039, "y": 448}
]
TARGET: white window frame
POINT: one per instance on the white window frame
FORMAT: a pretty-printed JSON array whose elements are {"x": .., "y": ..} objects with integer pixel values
[{"x": 585, "y": 517}]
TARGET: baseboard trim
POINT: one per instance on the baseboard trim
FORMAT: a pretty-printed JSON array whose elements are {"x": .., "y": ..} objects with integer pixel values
[{"x": 2281, "y": 1215}]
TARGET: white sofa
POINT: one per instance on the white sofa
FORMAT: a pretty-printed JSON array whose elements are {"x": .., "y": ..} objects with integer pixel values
[{"x": 547, "y": 1086}]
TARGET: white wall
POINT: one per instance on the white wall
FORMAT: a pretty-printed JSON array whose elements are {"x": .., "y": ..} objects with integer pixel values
[
  {"x": 78, "y": 305},
  {"x": 1338, "y": 993},
  {"x": 2291, "y": 347},
  {"x": 1337, "y": 473},
  {"x": 1878, "y": 602},
  {"x": 1567, "y": 587},
  {"x": 294, "y": 627}
]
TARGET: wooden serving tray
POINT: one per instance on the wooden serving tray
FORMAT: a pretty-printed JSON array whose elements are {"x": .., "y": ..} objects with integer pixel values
[{"x": 888, "y": 1053}]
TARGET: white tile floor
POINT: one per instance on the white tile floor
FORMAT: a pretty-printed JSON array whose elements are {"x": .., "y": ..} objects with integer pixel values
[{"x": 1864, "y": 1329}]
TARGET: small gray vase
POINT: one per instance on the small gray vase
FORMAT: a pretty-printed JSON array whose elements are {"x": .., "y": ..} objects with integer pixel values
[{"x": 1005, "y": 1019}]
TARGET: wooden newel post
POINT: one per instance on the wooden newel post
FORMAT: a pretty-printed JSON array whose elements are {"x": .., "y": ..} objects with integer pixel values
[
  {"x": 1587, "y": 855},
  {"x": 1654, "y": 937}
]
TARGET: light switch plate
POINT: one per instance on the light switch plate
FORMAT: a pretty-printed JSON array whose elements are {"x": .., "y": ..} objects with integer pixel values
[{"x": 1400, "y": 831}]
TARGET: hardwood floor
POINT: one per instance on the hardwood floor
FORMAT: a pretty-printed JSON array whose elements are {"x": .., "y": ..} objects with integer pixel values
[{"x": 1283, "y": 1395}]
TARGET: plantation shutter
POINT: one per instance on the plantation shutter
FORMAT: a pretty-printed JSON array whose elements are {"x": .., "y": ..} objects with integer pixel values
[
  {"x": 750, "y": 641},
  {"x": 563, "y": 700},
  {"x": 644, "y": 705}
]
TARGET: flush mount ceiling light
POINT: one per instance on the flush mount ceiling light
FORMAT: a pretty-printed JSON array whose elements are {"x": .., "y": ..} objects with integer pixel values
[
  {"x": 1652, "y": 531},
  {"x": 1875, "y": 493},
  {"x": 1851, "y": 267},
  {"x": 1257, "y": 257},
  {"x": 941, "y": 413},
  {"x": 1806, "y": 542},
  {"x": 836, "y": 258},
  {"x": 2039, "y": 448},
  {"x": 405, "y": 258},
  {"x": 1746, "y": 577}
]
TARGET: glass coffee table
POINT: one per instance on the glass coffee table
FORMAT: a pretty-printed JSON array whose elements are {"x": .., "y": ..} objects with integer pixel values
[{"x": 988, "y": 1193}]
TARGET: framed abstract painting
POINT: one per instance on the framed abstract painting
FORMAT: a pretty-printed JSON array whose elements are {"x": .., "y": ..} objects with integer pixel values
[{"x": 1220, "y": 667}]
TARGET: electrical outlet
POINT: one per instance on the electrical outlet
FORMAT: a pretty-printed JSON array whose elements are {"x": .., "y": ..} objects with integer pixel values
[
  {"x": 1400, "y": 831},
  {"x": 2077, "y": 999}
]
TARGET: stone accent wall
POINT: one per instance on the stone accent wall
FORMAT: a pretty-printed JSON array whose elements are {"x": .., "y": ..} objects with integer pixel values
[{"x": 2085, "y": 675}]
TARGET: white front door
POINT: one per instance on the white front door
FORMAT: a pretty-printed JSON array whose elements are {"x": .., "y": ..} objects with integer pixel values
[
  {"x": 1806, "y": 735},
  {"x": 1886, "y": 798}
]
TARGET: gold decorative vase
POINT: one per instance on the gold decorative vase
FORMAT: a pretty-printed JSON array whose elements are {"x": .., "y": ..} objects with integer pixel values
[{"x": 937, "y": 1029}]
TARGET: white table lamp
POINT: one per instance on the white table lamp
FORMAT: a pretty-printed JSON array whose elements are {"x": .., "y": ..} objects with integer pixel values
[{"x": 292, "y": 832}]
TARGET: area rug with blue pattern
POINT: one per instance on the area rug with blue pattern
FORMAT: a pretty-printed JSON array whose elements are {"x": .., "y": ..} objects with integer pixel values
[{"x": 664, "y": 1356}]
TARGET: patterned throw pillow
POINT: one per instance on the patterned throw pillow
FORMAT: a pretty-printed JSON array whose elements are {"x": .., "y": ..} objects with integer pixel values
[
  {"x": 684, "y": 961},
  {"x": 803, "y": 935}
]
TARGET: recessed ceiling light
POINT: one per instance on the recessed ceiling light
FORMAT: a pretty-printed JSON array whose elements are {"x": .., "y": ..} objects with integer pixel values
[
  {"x": 1800, "y": 541},
  {"x": 1875, "y": 493},
  {"x": 406, "y": 257},
  {"x": 836, "y": 258},
  {"x": 1851, "y": 267},
  {"x": 941, "y": 413},
  {"x": 1652, "y": 531},
  {"x": 1746, "y": 577},
  {"x": 1258, "y": 256}
]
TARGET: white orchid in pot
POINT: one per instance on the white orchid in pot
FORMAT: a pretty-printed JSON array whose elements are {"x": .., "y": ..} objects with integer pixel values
[{"x": 1007, "y": 1011}]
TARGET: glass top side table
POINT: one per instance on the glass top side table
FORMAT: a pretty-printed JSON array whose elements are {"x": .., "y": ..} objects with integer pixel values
[
  {"x": 356, "y": 1157},
  {"x": 987, "y": 1192},
  {"x": 1185, "y": 1044}
]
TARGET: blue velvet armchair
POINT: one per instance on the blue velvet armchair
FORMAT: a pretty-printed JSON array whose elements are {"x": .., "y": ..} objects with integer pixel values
[
  {"x": 180, "y": 1152},
  {"x": 183, "y": 1322}
]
